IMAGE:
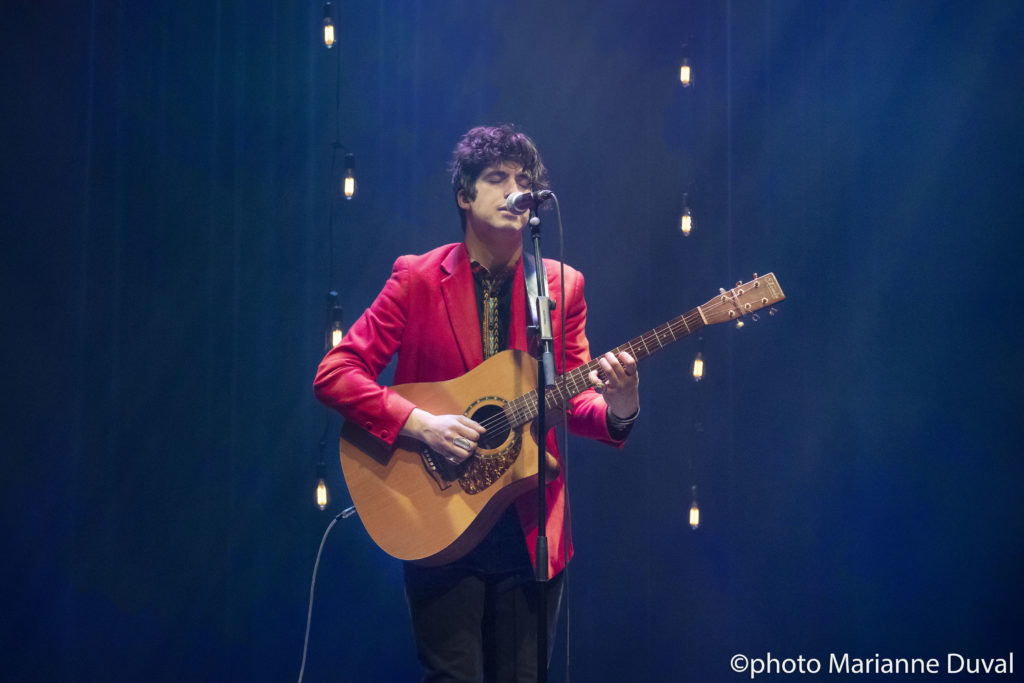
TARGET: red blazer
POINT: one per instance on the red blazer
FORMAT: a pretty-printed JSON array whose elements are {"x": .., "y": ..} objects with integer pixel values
[{"x": 427, "y": 314}]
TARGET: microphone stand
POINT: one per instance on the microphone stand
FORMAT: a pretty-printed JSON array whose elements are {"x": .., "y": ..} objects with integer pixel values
[{"x": 545, "y": 379}]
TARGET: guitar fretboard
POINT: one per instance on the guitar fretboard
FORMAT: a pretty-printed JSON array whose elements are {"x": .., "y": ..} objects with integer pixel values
[{"x": 524, "y": 408}]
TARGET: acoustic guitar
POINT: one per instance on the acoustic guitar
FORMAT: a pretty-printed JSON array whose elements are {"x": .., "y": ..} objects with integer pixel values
[{"x": 417, "y": 506}]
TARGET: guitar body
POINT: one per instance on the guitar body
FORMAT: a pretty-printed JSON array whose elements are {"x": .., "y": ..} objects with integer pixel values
[{"x": 419, "y": 507}]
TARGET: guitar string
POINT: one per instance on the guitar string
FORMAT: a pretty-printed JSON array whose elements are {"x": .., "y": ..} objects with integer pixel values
[{"x": 691, "y": 321}]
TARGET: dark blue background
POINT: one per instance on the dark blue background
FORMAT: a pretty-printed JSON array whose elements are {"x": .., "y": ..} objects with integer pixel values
[{"x": 166, "y": 188}]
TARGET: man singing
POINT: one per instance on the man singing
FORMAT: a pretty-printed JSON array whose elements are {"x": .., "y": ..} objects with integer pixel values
[{"x": 444, "y": 313}]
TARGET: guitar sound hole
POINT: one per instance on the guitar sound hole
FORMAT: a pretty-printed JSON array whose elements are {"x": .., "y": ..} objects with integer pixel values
[{"x": 493, "y": 419}]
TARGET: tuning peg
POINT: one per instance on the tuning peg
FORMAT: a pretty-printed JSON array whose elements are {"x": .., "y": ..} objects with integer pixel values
[
  {"x": 755, "y": 276},
  {"x": 739, "y": 283},
  {"x": 755, "y": 317}
]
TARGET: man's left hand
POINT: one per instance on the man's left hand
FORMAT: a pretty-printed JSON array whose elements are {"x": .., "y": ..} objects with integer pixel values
[{"x": 619, "y": 382}]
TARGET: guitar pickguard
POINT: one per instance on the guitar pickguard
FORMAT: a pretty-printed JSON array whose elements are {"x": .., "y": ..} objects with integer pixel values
[{"x": 483, "y": 469}]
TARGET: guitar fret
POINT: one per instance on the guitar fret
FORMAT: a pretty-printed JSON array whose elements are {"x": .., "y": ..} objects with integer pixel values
[
  {"x": 563, "y": 388},
  {"x": 524, "y": 409}
]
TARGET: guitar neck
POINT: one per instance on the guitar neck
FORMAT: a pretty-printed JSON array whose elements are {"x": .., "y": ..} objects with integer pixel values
[
  {"x": 731, "y": 304},
  {"x": 524, "y": 408}
]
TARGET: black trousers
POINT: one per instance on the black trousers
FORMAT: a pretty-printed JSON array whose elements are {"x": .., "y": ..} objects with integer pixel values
[{"x": 474, "y": 627}]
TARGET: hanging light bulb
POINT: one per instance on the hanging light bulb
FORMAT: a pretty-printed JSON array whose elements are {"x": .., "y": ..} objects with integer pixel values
[
  {"x": 694, "y": 508},
  {"x": 321, "y": 486},
  {"x": 686, "y": 73},
  {"x": 349, "y": 183},
  {"x": 328, "y": 26},
  {"x": 698, "y": 367},
  {"x": 686, "y": 224},
  {"x": 335, "y": 328}
]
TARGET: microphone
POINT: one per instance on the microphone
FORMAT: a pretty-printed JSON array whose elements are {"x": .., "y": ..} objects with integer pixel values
[{"x": 521, "y": 202}]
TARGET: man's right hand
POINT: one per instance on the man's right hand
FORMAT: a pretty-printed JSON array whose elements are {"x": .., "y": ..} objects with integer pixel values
[{"x": 454, "y": 437}]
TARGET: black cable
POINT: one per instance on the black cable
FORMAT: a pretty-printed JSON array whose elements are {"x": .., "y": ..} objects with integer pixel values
[{"x": 344, "y": 514}]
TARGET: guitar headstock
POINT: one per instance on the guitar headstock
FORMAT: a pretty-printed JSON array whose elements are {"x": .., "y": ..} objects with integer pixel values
[{"x": 744, "y": 298}]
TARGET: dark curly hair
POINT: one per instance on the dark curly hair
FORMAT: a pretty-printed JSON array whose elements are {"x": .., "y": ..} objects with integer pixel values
[{"x": 485, "y": 146}]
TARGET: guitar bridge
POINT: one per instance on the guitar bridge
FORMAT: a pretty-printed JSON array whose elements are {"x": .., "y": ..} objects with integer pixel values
[{"x": 439, "y": 469}]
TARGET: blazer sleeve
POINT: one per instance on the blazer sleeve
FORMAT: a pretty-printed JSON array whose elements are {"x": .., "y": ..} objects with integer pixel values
[
  {"x": 347, "y": 377},
  {"x": 587, "y": 414}
]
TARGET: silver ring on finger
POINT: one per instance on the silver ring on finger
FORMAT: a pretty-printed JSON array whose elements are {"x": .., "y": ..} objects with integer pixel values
[{"x": 462, "y": 442}]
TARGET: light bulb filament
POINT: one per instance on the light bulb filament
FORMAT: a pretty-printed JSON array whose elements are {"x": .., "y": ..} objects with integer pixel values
[
  {"x": 321, "y": 494},
  {"x": 685, "y": 74},
  {"x": 349, "y": 185},
  {"x": 328, "y": 26},
  {"x": 694, "y": 508}
]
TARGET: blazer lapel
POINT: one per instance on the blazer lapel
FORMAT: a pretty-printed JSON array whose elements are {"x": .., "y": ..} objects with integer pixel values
[
  {"x": 517, "y": 325},
  {"x": 459, "y": 300}
]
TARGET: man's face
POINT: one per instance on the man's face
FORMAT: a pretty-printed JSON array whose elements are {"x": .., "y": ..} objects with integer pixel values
[{"x": 487, "y": 213}]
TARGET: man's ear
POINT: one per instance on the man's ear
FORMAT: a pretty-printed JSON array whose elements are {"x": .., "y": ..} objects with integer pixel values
[{"x": 463, "y": 199}]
